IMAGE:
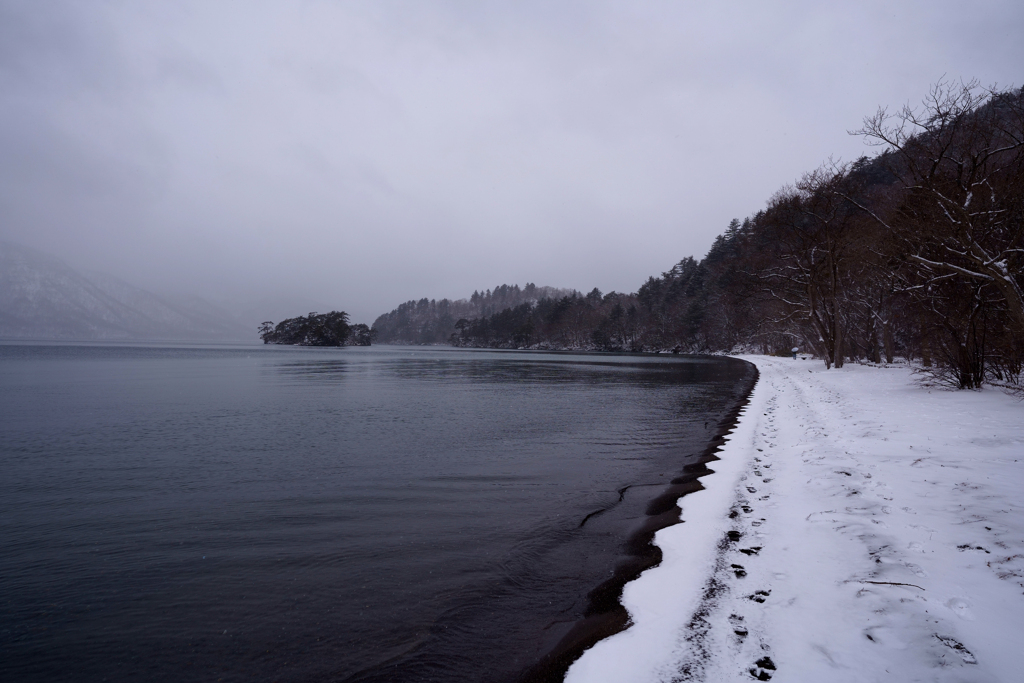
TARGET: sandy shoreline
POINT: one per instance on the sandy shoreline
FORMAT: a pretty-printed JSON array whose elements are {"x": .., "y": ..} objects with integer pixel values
[{"x": 857, "y": 527}]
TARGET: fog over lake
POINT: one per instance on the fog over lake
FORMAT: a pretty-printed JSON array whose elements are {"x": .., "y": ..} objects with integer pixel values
[
  {"x": 560, "y": 218},
  {"x": 293, "y": 157}
]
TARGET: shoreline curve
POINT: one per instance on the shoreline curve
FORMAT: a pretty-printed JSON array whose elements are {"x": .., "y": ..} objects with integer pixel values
[{"x": 605, "y": 615}]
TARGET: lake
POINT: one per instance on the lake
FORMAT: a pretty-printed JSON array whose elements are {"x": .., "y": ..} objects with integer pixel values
[{"x": 238, "y": 513}]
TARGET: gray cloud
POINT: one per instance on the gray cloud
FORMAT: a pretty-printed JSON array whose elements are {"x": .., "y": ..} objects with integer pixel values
[{"x": 355, "y": 155}]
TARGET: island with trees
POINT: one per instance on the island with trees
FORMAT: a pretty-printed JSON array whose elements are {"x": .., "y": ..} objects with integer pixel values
[{"x": 324, "y": 329}]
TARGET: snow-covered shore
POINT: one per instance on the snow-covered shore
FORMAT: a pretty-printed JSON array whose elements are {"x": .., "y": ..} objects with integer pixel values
[{"x": 858, "y": 527}]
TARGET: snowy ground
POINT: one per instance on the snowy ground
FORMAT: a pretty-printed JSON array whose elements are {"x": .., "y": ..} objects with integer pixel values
[{"x": 858, "y": 527}]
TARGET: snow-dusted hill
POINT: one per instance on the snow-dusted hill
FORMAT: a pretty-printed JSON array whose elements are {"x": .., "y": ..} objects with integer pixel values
[{"x": 42, "y": 297}]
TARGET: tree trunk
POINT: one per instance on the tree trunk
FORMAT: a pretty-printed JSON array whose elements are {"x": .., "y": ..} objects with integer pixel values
[
  {"x": 872, "y": 352},
  {"x": 837, "y": 335},
  {"x": 888, "y": 341}
]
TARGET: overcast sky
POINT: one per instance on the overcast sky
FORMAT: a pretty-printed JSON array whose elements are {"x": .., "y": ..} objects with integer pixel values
[{"x": 354, "y": 155}]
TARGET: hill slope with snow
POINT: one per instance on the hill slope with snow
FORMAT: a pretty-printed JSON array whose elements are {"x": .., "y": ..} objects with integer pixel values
[{"x": 41, "y": 297}]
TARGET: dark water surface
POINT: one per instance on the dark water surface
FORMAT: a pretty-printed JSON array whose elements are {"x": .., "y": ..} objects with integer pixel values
[{"x": 275, "y": 513}]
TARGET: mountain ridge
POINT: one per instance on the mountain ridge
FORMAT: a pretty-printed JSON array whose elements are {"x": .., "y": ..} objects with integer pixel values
[{"x": 42, "y": 297}]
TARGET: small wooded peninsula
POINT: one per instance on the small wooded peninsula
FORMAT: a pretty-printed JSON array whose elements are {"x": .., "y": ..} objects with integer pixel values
[{"x": 323, "y": 329}]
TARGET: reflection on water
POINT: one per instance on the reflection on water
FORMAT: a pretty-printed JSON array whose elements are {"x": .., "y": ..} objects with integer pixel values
[{"x": 240, "y": 513}]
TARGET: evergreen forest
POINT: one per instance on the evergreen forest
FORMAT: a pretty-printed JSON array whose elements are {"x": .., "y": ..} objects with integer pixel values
[{"x": 428, "y": 321}]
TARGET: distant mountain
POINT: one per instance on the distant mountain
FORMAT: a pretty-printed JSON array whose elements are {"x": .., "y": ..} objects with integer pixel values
[
  {"x": 429, "y": 321},
  {"x": 41, "y": 297}
]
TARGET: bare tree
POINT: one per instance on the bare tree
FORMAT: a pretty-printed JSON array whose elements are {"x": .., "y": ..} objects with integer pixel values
[
  {"x": 815, "y": 233},
  {"x": 960, "y": 160}
]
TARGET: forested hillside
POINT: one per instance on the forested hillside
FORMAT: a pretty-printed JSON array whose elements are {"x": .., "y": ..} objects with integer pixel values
[
  {"x": 917, "y": 252},
  {"x": 429, "y": 321}
]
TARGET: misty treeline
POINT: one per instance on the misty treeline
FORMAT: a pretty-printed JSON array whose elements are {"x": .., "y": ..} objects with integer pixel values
[
  {"x": 429, "y": 321},
  {"x": 917, "y": 252},
  {"x": 324, "y": 329}
]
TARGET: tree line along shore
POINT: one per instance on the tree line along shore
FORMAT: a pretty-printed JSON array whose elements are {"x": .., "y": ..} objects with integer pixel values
[{"x": 916, "y": 252}]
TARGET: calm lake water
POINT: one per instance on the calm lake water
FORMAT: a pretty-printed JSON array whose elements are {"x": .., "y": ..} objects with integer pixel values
[{"x": 183, "y": 513}]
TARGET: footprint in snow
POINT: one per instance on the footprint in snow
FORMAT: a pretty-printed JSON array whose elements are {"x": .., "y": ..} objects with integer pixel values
[
  {"x": 763, "y": 669},
  {"x": 961, "y": 608},
  {"x": 968, "y": 546},
  {"x": 738, "y": 627},
  {"x": 917, "y": 571},
  {"x": 958, "y": 647}
]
